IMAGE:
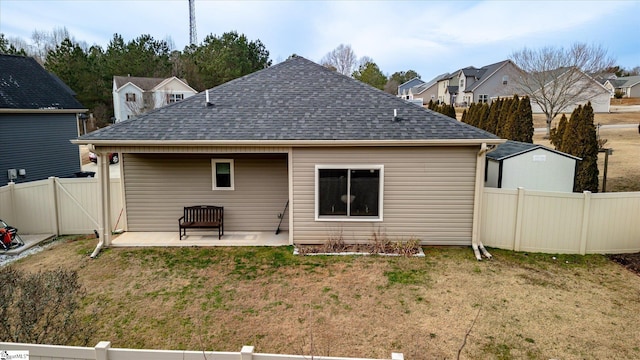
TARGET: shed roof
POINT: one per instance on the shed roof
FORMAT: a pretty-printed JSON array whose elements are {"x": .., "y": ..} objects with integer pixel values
[
  {"x": 291, "y": 101},
  {"x": 26, "y": 85},
  {"x": 514, "y": 148}
]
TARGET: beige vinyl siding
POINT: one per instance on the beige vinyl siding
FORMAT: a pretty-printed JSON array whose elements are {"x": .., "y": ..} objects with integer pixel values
[
  {"x": 158, "y": 187},
  {"x": 428, "y": 194}
]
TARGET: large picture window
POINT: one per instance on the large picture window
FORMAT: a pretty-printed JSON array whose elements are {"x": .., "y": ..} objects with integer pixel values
[
  {"x": 349, "y": 193},
  {"x": 222, "y": 174}
]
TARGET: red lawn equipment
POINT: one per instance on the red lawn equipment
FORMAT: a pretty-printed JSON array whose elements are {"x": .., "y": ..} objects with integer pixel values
[{"x": 9, "y": 237}]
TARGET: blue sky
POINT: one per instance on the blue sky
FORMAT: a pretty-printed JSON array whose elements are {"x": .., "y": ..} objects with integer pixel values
[{"x": 431, "y": 37}]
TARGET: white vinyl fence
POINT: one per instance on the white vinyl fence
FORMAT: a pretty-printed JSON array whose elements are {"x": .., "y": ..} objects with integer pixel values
[
  {"x": 519, "y": 220},
  {"x": 103, "y": 351},
  {"x": 569, "y": 223},
  {"x": 58, "y": 206}
]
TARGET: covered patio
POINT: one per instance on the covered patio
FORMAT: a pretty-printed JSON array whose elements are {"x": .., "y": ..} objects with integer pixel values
[{"x": 201, "y": 238}]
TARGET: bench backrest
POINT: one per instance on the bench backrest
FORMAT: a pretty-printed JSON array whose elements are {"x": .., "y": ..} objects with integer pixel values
[{"x": 203, "y": 213}]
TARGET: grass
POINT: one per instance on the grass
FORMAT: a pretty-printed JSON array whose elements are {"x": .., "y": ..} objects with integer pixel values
[{"x": 535, "y": 306}]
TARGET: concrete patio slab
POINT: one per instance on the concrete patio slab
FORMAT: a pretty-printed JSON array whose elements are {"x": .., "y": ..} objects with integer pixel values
[{"x": 234, "y": 238}]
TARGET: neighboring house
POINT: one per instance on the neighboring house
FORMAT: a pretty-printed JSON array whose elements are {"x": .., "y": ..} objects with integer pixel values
[
  {"x": 404, "y": 89},
  {"x": 478, "y": 85},
  {"x": 38, "y": 117},
  {"x": 133, "y": 96},
  {"x": 487, "y": 83},
  {"x": 584, "y": 86},
  {"x": 533, "y": 167},
  {"x": 347, "y": 166},
  {"x": 627, "y": 85},
  {"x": 427, "y": 91}
]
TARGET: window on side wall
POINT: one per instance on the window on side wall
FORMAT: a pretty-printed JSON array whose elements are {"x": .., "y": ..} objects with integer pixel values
[
  {"x": 222, "y": 174},
  {"x": 483, "y": 98},
  {"x": 505, "y": 79},
  {"x": 349, "y": 193},
  {"x": 130, "y": 96},
  {"x": 171, "y": 98}
]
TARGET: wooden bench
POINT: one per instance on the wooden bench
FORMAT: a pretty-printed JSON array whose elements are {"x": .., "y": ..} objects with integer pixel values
[{"x": 202, "y": 217}]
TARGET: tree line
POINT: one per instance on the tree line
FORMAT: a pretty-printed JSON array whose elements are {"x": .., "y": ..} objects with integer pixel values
[
  {"x": 508, "y": 118},
  {"x": 89, "y": 70}
]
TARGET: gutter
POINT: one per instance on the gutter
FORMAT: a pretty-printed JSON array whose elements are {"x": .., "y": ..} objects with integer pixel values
[
  {"x": 49, "y": 111},
  {"x": 301, "y": 143}
]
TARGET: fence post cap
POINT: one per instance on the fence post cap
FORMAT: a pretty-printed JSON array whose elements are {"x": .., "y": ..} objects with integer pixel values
[
  {"x": 397, "y": 356},
  {"x": 103, "y": 345},
  {"x": 247, "y": 349}
]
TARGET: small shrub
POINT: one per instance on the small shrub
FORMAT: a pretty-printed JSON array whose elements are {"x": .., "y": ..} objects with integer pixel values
[
  {"x": 619, "y": 94},
  {"x": 41, "y": 308},
  {"x": 335, "y": 243}
]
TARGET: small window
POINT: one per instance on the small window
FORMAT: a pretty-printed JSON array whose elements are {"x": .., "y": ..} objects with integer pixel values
[
  {"x": 222, "y": 174},
  {"x": 171, "y": 98},
  {"x": 130, "y": 96},
  {"x": 461, "y": 83},
  {"x": 349, "y": 193},
  {"x": 483, "y": 98},
  {"x": 505, "y": 80}
]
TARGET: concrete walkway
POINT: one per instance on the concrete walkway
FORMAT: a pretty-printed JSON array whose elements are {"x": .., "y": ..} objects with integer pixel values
[{"x": 29, "y": 242}]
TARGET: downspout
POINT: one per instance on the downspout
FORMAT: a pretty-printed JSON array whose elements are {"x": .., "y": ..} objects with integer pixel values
[{"x": 476, "y": 244}]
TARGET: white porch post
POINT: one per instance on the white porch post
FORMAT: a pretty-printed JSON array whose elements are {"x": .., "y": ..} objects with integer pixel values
[
  {"x": 105, "y": 197},
  {"x": 291, "y": 204}
]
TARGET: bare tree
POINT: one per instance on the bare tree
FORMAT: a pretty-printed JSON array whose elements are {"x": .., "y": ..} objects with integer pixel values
[
  {"x": 44, "y": 41},
  {"x": 557, "y": 78},
  {"x": 342, "y": 59}
]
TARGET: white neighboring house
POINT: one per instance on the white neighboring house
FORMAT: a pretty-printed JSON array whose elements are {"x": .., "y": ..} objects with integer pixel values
[
  {"x": 517, "y": 164},
  {"x": 133, "y": 96},
  {"x": 585, "y": 87}
]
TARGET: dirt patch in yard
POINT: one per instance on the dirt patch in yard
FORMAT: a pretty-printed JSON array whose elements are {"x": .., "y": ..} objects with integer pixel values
[{"x": 629, "y": 261}]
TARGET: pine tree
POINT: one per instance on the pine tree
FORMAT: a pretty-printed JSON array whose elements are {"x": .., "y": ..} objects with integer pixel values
[
  {"x": 464, "y": 116},
  {"x": 510, "y": 129},
  {"x": 482, "y": 116},
  {"x": 570, "y": 134},
  {"x": 494, "y": 113},
  {"x": 504, "y": 128},
  {"x": 587, "y": 145},
  {"x": 557, "y": 133},
  {"x": 524, "y": 124}
]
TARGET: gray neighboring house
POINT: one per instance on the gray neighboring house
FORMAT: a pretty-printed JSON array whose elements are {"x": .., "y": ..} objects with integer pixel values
[
  {"x": 628, "y": 85},
  {"x": 405, "y": 88},
  {"x": 38, "y": 118},
  {"x": 426, "y": 91},
  {"x": 517, "y": 164},
  {"x": 478, "y": 85},
  {"x": 347, "y": 165}
]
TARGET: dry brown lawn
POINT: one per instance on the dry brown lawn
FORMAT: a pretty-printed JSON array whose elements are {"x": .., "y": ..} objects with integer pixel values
[{"x": 531, "y": 306}]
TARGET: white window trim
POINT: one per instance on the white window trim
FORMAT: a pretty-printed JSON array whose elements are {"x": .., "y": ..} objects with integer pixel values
[
  {"x": 213, "y": 174},
  {"x": 378, "y": 218}
]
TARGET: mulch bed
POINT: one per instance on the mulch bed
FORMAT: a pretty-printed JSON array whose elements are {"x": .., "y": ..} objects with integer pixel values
[{"x": 629, "y": 261}]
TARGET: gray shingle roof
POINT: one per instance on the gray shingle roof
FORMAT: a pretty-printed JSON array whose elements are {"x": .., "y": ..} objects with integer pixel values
[
  {"x": 294, "y": 100},
  {"x": 144, "y": 83},
  {"x": 513, "y": 148},
  {"x": 24, "y": 84}
]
